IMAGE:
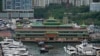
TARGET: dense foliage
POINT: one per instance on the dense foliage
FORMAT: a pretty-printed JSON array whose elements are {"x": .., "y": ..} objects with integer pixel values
[
  {"x": 0, "y": 5},
  {"x": 77, "y": 14},
  {"x": 55, "y": 10}
]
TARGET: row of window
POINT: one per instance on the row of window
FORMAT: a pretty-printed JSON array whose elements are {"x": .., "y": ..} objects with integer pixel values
[
  {"x": 18, "y": 4},
  {"x": 52, "y": 27},
  {"x": 44, "y": 35},
  {"x": 53, "y": 39},
  {"x": 73, "y": 35},
  {"x": 29, "y": 35},
  {"x": 73, "y": 32},
  {"x": 45, "y": 31}
]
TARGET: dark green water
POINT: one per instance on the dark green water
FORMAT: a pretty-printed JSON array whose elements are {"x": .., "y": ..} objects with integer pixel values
[{"x": 57, "y": 51}]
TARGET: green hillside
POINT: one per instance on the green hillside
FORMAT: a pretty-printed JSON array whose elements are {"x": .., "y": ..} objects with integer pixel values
[{"x": 77, "y": 14}]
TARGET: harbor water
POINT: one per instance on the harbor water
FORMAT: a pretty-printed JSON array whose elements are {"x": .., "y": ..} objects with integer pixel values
[{"x": 56, "y": 51}]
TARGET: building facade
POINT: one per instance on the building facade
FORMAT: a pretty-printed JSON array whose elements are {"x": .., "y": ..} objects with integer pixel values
[
  {"x": 95, "y": 6},
  {"x": 40, "y": 3},
  {"x": 80, "y": 2},
  {"x": 18, "y": 7},
  {"x": 51, "y": 30},
  {"x": 43, "y": 3},
  {"x": 55, "y": 1}
]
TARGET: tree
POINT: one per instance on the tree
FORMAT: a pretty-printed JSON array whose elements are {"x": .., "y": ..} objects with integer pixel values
[
  {"x": 77, "y": 14},
  {"x": 0, "y": 5}
]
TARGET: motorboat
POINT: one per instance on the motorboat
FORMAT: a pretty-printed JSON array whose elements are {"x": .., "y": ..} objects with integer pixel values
[
  {"x": 70, "y": 50},
  {"x": 85, "y": 49},
  {"x": 43, "y": 50},
  {"x": 16, "y": 51},
  {"x": 49, "y": 46},
  {"x": 23, "y": 51},
  {"x": 11, "y": 47},
  {"x": 41, "y": 44},
  {"x": 7, "y": 42},
  {"x": 8, "y": 55}
]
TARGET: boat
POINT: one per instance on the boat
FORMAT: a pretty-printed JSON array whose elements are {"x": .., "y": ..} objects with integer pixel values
[
  {"x": 85, "y": 49},
  {"x": 16, "y": 51},
  {"x": 11, "y": 47},
  {"x": 70, "y": 50},
  {"x": 49, "y": 46},
  {"x": 43, "y": 50},
  {"x": 41, "y": 44},
  {"x": 10, "y": 42}
]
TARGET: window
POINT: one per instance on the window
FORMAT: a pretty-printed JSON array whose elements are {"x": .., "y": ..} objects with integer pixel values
[
  {"x": 51, "y": 38},
  {"x": 34, "y": 35},
  {"x": 18, "y": 35},
  {"x": 72, "y": 31},
  {"x": 30, "y": 31},
  {"x": 8, "y": 7},
  {"x": 69, "y": 38},
  {"x": 17, "y": 4},
  {"x": 8, "y": 2},
  {"x": 17, "y": 0},
  {"x": 96, "y": 0},
  {"x": 68, "y": 35},
  {"x": 17, "y": 7}
]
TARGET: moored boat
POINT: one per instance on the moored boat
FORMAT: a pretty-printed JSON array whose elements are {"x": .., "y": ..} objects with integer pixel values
[
  {"x": 49, "y": 46},
  {"x": 70, "y": 50},
  {"x": 14, "y": 48},
  {"x": 43, "y": 50},
  {"x": 86, "y": 49}
]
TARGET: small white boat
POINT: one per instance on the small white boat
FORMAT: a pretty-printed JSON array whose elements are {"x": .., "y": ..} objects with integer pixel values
[
  {"x": 43, "y": 50},
  {"x": 23, "y": 51},
  {"x": 8, "y": 55},
  {"x": 70, "y": 50}
]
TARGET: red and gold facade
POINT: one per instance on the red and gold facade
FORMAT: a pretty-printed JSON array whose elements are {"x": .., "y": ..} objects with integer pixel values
[{"x": 52, "y": 31}]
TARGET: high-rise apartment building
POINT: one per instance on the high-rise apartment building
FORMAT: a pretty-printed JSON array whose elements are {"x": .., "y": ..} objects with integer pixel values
[
  {"x": 80, "y": 2},
  {"x": 43, "y": 3},
  {"x": 95, "y": 6},
  {"x": 18, "y": 8},
  {"x": 17, "y": 5}
]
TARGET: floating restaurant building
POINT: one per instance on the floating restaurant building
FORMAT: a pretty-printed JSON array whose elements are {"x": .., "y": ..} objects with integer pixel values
[{"x": 51, "y": 30}]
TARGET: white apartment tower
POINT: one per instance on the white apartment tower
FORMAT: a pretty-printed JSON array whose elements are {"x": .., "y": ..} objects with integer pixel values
[
  {"x": 43, "y": 3},
  {"x": 55, "y": 1},
  {"x": 80, "y": 2},
  {"x": 40, "y": 3}
]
